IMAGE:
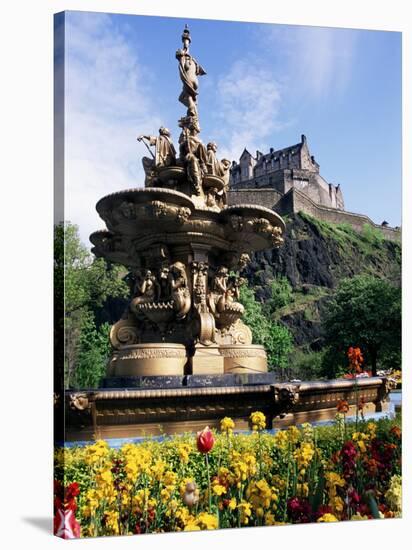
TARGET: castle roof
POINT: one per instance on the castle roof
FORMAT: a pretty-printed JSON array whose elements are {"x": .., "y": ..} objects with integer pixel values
[{"x": 292, "y": 149}]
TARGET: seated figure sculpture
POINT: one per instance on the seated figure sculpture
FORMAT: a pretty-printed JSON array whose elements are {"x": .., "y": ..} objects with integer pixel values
[{"x": 165, "y": 154}]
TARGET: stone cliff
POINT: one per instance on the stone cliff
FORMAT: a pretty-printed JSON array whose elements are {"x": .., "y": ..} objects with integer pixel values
[{"x": 315, "y": 257}]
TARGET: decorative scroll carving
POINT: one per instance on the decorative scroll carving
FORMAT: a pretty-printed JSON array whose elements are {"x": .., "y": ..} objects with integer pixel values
[
  {"x": 236, "y": 333},
  {"x": 124, "y": 332}
]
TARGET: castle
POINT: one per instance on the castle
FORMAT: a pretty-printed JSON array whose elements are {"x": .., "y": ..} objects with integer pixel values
[{"x": 288, "y": 181}]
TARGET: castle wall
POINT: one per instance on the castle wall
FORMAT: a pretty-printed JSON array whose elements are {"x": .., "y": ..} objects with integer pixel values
[
  {"x": 262, "y": 197},
  {"x": 295, "y": 201}
]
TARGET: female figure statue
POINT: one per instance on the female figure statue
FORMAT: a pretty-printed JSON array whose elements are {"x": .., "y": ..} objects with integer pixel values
[{"x": 179, "y": 289}]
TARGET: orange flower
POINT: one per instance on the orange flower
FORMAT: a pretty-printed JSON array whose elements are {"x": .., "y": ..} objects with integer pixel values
[
  {"x": 396, "y": 431},
  {"x": 342, "y": 406},
  {"x": 355, "y": 359}
]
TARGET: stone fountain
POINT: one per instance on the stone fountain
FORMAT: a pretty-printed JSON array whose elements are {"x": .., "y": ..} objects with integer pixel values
[
  {"x": 182, "y": 355},
  {"x": 185, "y": 249}
]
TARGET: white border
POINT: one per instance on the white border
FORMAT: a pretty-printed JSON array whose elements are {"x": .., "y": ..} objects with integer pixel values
[{"x": 26, "y": 278}]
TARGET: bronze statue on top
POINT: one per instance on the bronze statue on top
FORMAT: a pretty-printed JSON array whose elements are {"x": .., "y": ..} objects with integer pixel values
[{"x": 189, "y": 70}]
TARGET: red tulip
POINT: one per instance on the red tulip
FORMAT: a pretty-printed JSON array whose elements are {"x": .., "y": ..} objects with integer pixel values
[
  {"x": 66, "y": 525},
  {"x": 205, "y": 440}
]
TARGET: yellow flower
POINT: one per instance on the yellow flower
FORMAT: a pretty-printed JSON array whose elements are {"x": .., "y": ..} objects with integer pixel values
[
  {"x": 112, "y": 521},
  {"x": 261, "y": 496},
  {"x": 278, "y": 483},
  {"x": 302, "y": 489},
  {"x": 92, "y": 500},
  {"x": 293, "y": 434},
  {"x": 393, "y": 495},
  {"x": 158, "y": 469},
  {"x": 282, "y": 440},
  {"x": 192, "y": 525},
  {"x": 245, "y": 509},
  {"x": 227, "y": 425},
  {"x": 218, "y": 489},
  {"x": 360, "y": 439},
  {"x": 334, "y": 480},
  {"x": 202, "y": 522},
  {"x": 327, "y": 518},
  {"x": 169, "y": 479},
  {"x": 307, "y": 431},
  {"x": 371, "y": 427},
  {"x": 258, "y": 420},
  {"x": 303, "y": 455},
  {"x": 337, "y": 504},
  {"x": 96, "y": 452},
  {"x": 183, "y": 450},
  {"x": 358, "y": 516},
  {"x": 232, "y": 504},
  {"x": 270, "y": 519}
]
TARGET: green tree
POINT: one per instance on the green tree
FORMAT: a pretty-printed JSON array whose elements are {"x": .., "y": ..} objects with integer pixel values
[
  {"x": 276, "y": 338},
  {"x": 365, "y": 313},
  {"x": 82, "y": 284},
  {"x": 93, "y": 353}
]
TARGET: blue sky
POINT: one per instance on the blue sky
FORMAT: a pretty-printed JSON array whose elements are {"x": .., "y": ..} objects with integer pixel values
[{"x": 265, "y": 86}]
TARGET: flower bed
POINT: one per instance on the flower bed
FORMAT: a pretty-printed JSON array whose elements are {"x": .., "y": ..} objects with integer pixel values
[{"x": 219, "y": 480}]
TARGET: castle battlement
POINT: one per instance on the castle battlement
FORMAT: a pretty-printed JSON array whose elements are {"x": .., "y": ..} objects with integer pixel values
[{"x": 284, "y": 169}]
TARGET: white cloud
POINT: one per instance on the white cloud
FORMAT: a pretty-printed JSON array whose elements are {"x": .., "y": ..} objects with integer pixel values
[
  {"x": 317, "y": 61},
  {"x": 249, "y": 99},
  {"x": 108, "y": 103}
]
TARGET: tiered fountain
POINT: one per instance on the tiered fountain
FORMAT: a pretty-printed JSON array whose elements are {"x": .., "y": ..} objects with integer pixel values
[
  {"x": 186, "y": 250},
  {"x": 182, "y": 356}
]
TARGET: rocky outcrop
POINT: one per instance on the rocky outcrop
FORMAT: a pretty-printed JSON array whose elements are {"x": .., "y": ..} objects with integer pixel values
[{"x": 314, "y": 258}]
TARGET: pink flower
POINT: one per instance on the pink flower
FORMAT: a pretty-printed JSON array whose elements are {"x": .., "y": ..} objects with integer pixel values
[
  {"x": 205, "y": 440},
  {"x": 66, "y": 525}
]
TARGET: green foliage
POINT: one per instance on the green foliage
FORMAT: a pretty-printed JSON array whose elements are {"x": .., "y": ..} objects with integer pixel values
[
  {"x": 82, "y": 284},
  {"x": 278, "y": 343},
  {"x": 275, "y": 337},
  {"x": 372, "y": 234},
  {"x": 94, "y": 350},
  {"x": 365, "y": 313},
  {"x": 88, "y": 281},
  {"x": 306, "y": 365},
  {"x": 281, "y": 293}
]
